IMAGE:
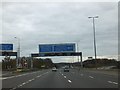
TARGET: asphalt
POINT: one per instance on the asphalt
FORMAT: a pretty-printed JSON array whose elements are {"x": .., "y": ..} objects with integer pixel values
[{"x": 61, "y": 79}]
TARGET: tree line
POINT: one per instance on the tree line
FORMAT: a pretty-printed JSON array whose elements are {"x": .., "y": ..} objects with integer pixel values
[{"x": 25, "y": 63}]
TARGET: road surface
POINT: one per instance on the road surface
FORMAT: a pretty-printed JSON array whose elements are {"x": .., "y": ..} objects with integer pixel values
[{"x": 60, "y": 79}]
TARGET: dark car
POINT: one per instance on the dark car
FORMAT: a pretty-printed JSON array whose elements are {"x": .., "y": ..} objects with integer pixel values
[{"x": 66, "y": 69}]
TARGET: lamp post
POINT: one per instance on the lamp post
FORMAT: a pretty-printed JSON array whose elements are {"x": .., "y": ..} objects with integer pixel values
[
  {"x": 77, "y": 44},
  {"x": 18, "y": 52},
  {"x": 77, "y": 50},
  {"x": 94, "y": 36}
]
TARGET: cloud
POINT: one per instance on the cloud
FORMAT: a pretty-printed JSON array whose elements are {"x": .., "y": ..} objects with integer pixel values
[{"x": 36, "y": 23}]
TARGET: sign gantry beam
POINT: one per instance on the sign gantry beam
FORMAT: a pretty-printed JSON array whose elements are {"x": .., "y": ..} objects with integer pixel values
[{"x": 56, "y": 54}]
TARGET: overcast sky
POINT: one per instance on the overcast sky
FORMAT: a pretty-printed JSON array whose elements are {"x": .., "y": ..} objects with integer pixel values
[{"x": 67, "y": 22}]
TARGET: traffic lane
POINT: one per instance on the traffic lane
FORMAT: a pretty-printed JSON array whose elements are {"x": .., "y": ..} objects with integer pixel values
[
  {"x": 102, "y": 76},
  {"x": 109, "y": 80},
  {"x": 50, "y": 80},
  {"x": 99, "y": 76},
  {"x": 16, "y": 80},
  {"x": 78, "y": 81},
  {"x": 84, "y": 80}
]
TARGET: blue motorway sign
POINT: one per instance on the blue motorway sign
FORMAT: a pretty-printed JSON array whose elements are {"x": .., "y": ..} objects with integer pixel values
[
  {"x": 69, "y": 47},
  {"x": 6, "y": 47}
]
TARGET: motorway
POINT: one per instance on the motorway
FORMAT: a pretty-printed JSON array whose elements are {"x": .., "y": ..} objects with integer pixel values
[{"x": 60, "y": 79}]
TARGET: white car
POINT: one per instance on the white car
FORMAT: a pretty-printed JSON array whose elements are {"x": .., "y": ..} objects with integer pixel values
[{"x": 54, "y": 69}]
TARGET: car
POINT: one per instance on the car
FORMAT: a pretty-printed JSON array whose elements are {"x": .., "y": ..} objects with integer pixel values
[
  {"x": 66, "y": 69},
  {"x": 54, "y": 69}
]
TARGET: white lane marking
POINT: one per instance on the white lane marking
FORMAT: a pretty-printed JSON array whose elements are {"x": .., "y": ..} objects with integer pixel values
[
  {"x": 39, "y": 76},
  {"x": 115, "y": 83},
  {"x": 9, "y": 77},
  {"x": 112, "y": 82},
  {"x": 13, "y": 88},
  {"x": 27, "y": 82},
  {"x": 19, "y": 75},
  {"x": 24, "y": 83},
  {"x": 91, "y": 77},
  {"x": 69, "y": 81},
  {"x": 30, "y": 80},
  {"x": 81, "y": 74},
  {"x": 2, "y": 78},
  {"x": 64, "y": 76},
  {"x": 20, "y": 85}
]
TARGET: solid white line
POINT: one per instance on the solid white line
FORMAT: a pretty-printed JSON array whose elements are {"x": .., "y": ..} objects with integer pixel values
[
  {"x": 2, "y": 78},
  {"x": 20, "y": 75},
  {"x": 28, "y": 81},
  {"x": 69, "y": 81},
  {"x": 10, "y": 77}
]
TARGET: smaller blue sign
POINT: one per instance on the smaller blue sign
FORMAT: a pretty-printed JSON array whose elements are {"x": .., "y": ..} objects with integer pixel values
[
  {"x": 6, "y": 47},
  {"x": 45, "y": 48},
  {"x": 62, "y": 48}
]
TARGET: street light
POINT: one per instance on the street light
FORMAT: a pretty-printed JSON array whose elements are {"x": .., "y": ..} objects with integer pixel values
[
  {"x": 18, "y": 52},
  {"x": 77, "y": 44},
  {"x": 77, "y": 50},
  {"x": 94, "y": 36}
]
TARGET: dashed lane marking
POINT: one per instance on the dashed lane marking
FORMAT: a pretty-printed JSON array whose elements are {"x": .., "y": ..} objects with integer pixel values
[
  {"x": 27, "y": 81},
  {"x": 13, "y": 88},
  {"x": 91, "y": 77},
  {"x": 112, "y": 82},
  {"x": 69, "y": 81},
  {"x": 109, "y": 81},
  {"x": 64, "y": 76},
  {"x": 81, "y": 74},
  {"x": 115, "y": 83}
]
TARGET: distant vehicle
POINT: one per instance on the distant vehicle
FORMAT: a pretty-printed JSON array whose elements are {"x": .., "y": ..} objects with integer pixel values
[
  {"x": 66, "y": 69},
  {"x": 19, "y": 69},
  {"x": 54, "y": 69}
]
